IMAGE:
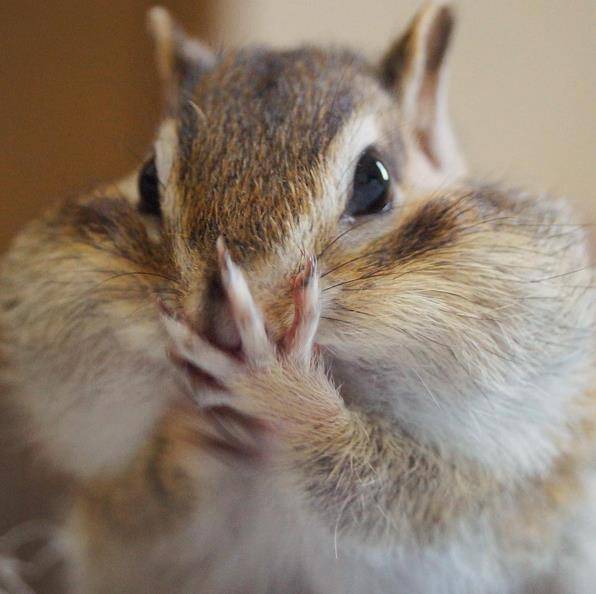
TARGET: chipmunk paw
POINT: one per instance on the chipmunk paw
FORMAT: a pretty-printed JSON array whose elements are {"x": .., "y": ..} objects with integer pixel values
[{"x": 238, "y": 379}]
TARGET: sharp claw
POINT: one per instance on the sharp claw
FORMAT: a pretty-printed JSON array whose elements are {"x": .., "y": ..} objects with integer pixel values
[
  {"x": 164, "y": 309},
  {"x": 247, "y": 316},
  {"x": 224, "y": 259},
  {"x": 310, "y": 270},
  {"x": 197, "y": 378},
  {"x": 311, "y": 286},
  {"x": 299, "y": 339},
  {"x": 198, "y": 352}
]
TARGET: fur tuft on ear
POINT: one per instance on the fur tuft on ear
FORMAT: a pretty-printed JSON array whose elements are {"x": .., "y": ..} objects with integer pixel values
[
  {"x": 180, "y": 59},
  {"x": 415, "y": 68}
]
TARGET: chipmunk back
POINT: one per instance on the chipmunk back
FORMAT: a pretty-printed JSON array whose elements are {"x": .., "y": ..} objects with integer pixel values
[{"x": 299, "y": 350}]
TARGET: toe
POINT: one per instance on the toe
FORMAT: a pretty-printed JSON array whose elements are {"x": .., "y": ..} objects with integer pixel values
[
  {"x": 200, "y": 353},
  {"x": 300, "y": 338},
  {"x": 256, "y": 346}
]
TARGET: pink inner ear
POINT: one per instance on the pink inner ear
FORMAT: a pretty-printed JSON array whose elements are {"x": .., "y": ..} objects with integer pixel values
[
  {"x": 436, "y": 42},
  {"x": 426, "y": 118}
]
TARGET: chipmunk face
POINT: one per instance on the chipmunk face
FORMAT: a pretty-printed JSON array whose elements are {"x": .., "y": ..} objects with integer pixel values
[
  {"x": 443, "y": 307},
  {"x": 281, "y": 152}
]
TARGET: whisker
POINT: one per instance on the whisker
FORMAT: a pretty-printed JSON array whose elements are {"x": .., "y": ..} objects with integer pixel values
[
  {"x": 331, "y": 319},
  {"x": 342, "y": 234},
  {"x": 563, "y": 274}
]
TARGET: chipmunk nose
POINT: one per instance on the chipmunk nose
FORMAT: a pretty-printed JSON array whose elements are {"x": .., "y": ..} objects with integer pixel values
[
  {"x": 219, "y": 324},
  {"x": 223, "y": 330}
]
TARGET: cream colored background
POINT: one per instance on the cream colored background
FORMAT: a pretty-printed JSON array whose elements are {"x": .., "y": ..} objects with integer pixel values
[{"x": 523, "y": 76}]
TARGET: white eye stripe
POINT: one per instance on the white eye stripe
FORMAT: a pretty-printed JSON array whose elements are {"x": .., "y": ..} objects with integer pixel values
[
  {"x": 342, "y": 157},
  {"x": 165, "y": 150}
]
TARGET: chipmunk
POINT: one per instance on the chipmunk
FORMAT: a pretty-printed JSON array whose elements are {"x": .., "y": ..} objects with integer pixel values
[{"x": 300, "y": 351}]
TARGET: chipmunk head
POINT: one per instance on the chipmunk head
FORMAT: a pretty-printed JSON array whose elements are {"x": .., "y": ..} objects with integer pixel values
[
  {"x": 280, "y": 151},
  {"x": 444, "y": 307}
]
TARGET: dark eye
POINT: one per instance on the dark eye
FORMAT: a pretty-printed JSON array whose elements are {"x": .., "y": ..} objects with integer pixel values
[
  {"x": 149, "y": 189},
  {"x": 371, "y": 191}
]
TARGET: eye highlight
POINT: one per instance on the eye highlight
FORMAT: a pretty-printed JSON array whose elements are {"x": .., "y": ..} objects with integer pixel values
[
  {"x": 149, "y": 189},
  {"x": 371, "y": 192}
]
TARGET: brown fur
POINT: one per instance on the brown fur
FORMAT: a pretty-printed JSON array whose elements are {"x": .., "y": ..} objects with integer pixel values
[{"x": 463, "y": 280}]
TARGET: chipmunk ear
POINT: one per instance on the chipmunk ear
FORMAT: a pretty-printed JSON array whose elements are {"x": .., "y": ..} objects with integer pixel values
[
  {"x": 180, "y": 59},
  {"x": 415, "y": 67}
]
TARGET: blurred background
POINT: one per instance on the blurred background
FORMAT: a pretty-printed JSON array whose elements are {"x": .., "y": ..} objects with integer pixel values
[{"x": 79, "y": 97}]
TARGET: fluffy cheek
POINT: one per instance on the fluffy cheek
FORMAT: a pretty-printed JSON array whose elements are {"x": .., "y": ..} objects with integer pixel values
[
  {"x": 471, "y": 324},
  {"x": 424, "y": 338},
  {"x": 485, "y": 368}
]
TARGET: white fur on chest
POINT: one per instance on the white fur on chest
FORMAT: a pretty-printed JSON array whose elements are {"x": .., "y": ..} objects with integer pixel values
[{"x": 251, "y": 539}]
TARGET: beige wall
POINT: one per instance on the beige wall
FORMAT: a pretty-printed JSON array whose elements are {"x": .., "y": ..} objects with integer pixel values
[
  {"x": 79, "y": 97},
  {"x": 523, "y": 90}
]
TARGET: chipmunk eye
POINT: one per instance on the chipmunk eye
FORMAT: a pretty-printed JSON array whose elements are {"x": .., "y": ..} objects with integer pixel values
[
  {"x": 149, "y": 189},
  {"x": 371, "y": 190}
]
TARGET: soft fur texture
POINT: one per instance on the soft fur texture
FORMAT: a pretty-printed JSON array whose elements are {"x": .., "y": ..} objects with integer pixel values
[{"x": 398, "y": 403}]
